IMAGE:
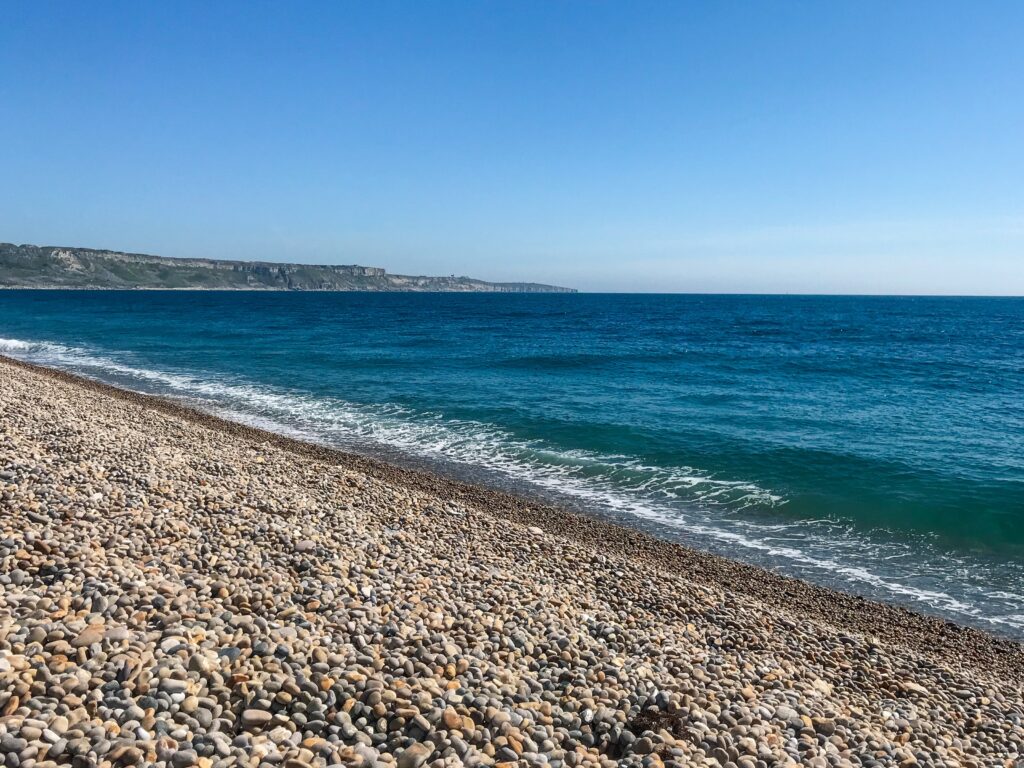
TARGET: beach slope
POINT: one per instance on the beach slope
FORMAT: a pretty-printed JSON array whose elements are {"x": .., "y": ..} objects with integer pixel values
[{"x": 178, "y": 591}]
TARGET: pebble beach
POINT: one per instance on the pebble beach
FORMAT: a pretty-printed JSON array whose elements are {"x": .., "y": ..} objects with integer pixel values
[{"x": 177, "y": 590}]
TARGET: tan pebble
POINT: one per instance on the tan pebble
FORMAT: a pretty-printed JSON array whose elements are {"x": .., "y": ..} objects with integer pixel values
[
  {"x": 91, "y": 634},
  {"x": 452, "y": 719}
]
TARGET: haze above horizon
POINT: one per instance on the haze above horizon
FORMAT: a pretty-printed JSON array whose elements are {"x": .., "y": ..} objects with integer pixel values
[{"x": 775, "y": 148}]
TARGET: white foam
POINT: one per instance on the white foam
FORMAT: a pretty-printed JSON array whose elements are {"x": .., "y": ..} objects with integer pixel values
[{"x": 14, "y": 345}]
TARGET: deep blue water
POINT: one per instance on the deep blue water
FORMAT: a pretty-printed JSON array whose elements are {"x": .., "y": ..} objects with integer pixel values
[{"x": 872, "y": 444}]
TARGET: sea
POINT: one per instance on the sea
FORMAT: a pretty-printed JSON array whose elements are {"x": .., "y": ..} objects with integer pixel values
[{"x": 870, "y": 444}]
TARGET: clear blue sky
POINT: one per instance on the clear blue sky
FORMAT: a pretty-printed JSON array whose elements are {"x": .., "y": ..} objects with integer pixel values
[{"x": 776, "y": 146}]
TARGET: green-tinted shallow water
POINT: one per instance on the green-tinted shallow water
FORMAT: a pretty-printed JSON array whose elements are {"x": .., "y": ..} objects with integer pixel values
[{"x": 872, "y": 444}]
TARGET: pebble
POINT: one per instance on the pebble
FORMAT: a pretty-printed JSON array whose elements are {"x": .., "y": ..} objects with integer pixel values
[
  {"x": 91, "y": 634},
  {"x": 255, "y": 718},
  {"x": 414, "y": 755},
  {"x": 177, "y": 595}
]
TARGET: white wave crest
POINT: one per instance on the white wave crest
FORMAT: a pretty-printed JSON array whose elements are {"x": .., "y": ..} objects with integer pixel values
[{"x": 14, "y": 345}]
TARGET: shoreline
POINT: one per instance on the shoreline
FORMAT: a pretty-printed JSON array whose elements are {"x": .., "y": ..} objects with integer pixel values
[
  {"x": 181, "y": 591},
  {"x": 935, "y": 638}
]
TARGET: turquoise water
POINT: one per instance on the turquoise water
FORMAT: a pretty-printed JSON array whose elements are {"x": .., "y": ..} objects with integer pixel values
[{"x": 870, "y": 444}]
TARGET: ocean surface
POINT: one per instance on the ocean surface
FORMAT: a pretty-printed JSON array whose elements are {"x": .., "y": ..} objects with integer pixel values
[{"x": 875, "y": 445}]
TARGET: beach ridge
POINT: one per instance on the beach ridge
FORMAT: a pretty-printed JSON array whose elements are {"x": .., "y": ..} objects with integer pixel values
[{"x": 184, "y": 589}]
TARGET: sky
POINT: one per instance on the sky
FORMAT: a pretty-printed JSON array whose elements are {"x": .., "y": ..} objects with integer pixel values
[{"x": 806, "y": 147}]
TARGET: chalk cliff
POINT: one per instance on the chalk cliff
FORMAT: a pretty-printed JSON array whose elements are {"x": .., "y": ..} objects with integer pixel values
[{"x": 33, "y": 266}]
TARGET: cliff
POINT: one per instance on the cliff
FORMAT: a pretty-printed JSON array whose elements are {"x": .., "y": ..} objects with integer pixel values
[{"x": 33, "y": 266}]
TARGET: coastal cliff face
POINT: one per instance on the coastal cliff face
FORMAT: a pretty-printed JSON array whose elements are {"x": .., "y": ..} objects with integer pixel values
[{"x": 33, "y": 266}]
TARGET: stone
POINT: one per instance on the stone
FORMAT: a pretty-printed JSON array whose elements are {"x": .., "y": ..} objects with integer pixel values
[
  {"x": 227, "y": 602},
  {"x": 184, "y": 758},
  {"x": 256, "y": 718},
  {"x": 90, "y": 635},
  {"x": 414, "y": 755}
]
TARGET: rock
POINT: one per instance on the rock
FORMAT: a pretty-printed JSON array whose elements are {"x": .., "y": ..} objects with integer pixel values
[
  {"x": 452, "y": 719},
  {"x": 824, "y": 726},
  {"x": 125, "y": 754},
  {"x": 184, "y": 758},
  {"x": 643, "y": 746},
  {"x": 256, "y": 718},
  {"x": 117, "y": 634},
  {"x": 227, "y": 602},
  {"x": 90, "y": 635},
  {"x": 913, "y": 687},
  {"x": 414, "y": 755}
]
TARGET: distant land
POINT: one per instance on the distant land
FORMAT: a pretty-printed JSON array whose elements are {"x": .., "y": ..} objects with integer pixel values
[{"x": 34, "y": 266}]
